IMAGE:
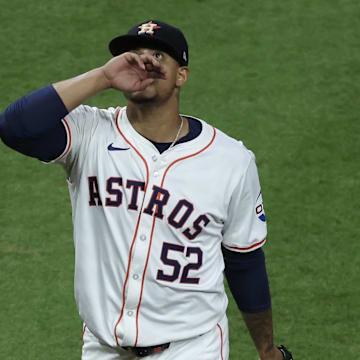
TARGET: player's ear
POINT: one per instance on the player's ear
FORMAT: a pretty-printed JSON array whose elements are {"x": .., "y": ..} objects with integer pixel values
[{"x": 182, "y": 75}]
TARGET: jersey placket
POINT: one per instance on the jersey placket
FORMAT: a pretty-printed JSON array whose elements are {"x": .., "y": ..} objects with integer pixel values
[{"x": 129, "y": 325}]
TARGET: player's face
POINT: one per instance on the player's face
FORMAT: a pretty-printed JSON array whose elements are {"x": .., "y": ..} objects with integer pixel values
[{"x": 161, "y": 89}]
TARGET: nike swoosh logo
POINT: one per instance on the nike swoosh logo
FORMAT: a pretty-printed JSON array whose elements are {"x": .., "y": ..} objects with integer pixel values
[{"x": 112, "y": 148}]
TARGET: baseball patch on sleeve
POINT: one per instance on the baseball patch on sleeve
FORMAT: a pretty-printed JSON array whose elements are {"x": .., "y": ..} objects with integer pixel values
[{"x": 259, "y": 208}]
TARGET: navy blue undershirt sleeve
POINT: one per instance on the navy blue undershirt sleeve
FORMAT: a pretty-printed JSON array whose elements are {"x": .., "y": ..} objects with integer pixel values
[
  {"x": 32, "y": 124},
  {"x": 247, "y": 279}
]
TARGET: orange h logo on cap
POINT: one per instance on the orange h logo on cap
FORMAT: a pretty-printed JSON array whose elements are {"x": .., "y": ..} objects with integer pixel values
[{"x": 148, "y": 28}]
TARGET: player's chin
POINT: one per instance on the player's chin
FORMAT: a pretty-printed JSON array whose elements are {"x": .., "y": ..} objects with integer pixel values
[{"x": 141, "y": 97}]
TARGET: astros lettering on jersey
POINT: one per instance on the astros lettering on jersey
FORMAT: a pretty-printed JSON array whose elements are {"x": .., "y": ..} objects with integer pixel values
[{"x": 148, "y": 227}]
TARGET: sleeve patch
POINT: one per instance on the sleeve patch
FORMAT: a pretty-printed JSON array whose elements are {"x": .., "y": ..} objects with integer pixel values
[{"x": 259, "y": 209}]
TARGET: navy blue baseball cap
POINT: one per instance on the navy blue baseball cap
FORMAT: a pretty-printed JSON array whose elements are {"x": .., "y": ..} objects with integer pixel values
[{"x": 153, "y": 34}]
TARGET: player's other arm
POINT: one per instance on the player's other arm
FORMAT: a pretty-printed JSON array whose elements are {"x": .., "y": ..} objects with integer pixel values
[
  {"x": 260, "y": 327},
  {"x": 244, "y": 229},
  {"x": 248, "y": 283}
]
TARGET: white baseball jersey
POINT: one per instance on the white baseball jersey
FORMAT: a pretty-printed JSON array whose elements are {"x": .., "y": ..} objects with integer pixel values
[{"x": 148, "y": 227}]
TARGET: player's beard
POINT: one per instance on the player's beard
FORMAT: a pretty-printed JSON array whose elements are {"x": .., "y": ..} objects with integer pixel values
[
  {"x": 138, "y": 98},
  {"x": 147, "y": 95}
]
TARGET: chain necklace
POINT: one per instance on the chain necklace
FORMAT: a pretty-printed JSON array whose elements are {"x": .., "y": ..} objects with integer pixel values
[{"x": 177, "y": 135}]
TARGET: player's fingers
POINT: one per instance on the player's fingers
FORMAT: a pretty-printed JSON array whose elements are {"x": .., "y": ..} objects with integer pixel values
[
  {"x": 145, "y": 83},
  {"x": 155, "y": 75},
  {"x": 151, "y": 61},
  {"x": 148, "y": 59},
  {"x": 135, "y": 59},
  {"x": 153, "y": 69},
  {"x": 145, "y": 66},
  {"x": 159, "y": 71}
]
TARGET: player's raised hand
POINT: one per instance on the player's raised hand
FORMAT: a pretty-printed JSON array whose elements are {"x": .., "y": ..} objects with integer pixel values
[
  {"x": 132, "y": 72},
  {"x": 127, "y": 72}
]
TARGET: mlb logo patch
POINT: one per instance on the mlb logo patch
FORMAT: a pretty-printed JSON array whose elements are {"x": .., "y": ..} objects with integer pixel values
[{"x": 259, "y": 209}]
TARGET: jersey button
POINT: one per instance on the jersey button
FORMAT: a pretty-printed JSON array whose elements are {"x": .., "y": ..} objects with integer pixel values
[
  {"x": 135, "y": 276},
  {"x": 154, "y": 158},
  {"x": 156, "y": 173},
  {"x": 143, "y": 237},
  {"x": 130, "y": 313}
]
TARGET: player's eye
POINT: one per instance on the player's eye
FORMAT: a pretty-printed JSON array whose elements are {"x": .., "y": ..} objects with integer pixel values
[{"x": 158, "y": 55}]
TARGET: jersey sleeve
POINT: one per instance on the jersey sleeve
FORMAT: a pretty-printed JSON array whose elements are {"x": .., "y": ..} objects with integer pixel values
[
  {"x": 80, "y": 126},
  {"x": 245, "y": 227}
]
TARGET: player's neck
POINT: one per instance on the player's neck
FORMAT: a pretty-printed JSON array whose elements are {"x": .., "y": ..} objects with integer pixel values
[{"x": 156, "y": 123}]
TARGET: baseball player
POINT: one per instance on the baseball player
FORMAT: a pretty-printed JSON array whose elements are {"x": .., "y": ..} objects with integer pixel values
[{"x": 163, "y": 204}]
